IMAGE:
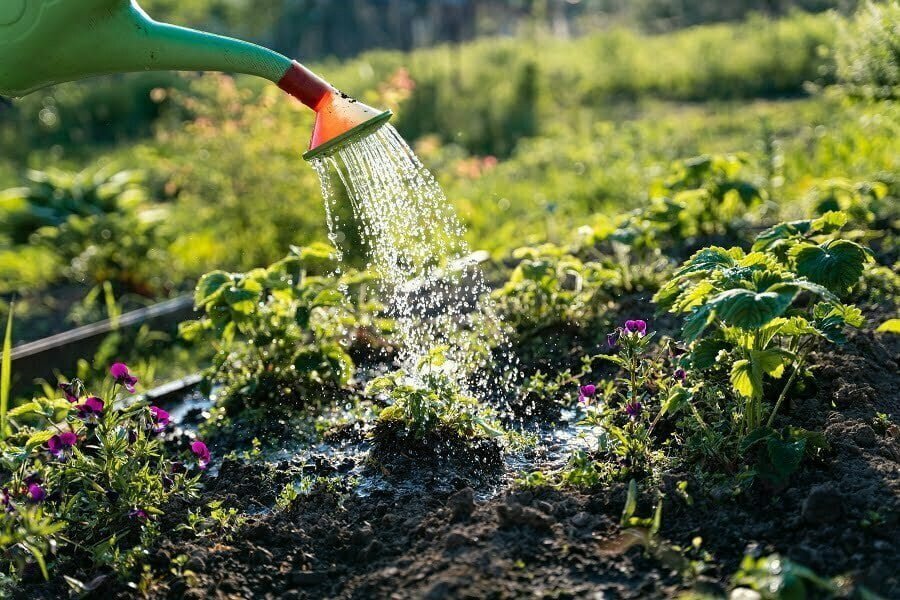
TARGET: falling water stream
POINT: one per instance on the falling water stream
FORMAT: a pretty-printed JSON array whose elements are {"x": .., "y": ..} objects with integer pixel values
[{"x": 430, "y": 282}]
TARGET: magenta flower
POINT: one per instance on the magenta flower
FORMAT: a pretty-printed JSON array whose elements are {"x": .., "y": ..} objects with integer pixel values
[
  {"x": 120, "y": 373},
  {"x": 612, "y": 339},
  {"x": 680, "y": 375},
  {"x": 140, "y": 514},
  {"x": 633, "y": 410},
  {"x": 161, "y": 418},
  {"x": 202, "y": 453},
  {"x": 36, "y": 493},
  {"x": 60, "y": 444},
  {"x": 90, "y": 410},
  {"x": 636, "y": 326},
  {"x": 70, "y": 389},
  {"x": 587, "y": 392}
]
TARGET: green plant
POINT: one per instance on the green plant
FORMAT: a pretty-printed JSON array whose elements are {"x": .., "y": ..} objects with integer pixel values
[
  {"x": 618, "y": 411},
  {"x": 281, "y": 332},
  {"x": 777, "y": 578},
  {"x": 430, "y": 403},
  {"x": 86, "y": 476},
  {"x": 748, "y": 305},
  {"x": 867, "y": 51}
]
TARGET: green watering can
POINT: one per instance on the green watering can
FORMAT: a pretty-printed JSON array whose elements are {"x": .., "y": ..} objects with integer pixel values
[{"x": 45, "y": 42}]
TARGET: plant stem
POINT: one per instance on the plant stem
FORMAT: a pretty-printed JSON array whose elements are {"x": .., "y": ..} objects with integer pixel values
[{"x": 784, "y": 392}]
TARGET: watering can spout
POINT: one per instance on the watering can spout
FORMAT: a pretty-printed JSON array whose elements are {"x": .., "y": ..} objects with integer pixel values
[{"x": 45, "y": 42}]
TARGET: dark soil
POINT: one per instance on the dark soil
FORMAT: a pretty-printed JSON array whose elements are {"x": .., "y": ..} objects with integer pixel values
[{"x": 431, "y": 528}]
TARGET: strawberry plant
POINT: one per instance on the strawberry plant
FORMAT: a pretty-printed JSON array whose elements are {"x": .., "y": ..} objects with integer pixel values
[{"x": 281, "y": 331}]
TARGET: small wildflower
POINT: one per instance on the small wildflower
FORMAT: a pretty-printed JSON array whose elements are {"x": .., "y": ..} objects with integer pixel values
[
  {"x": 90, "y": 410},
  {"x": 139, "y": 514},
  {"x": 70, "y": 389},
  {"x": 60, "y": 444},
  {"x": 120, "y": 373},
  {"x": 587, "y": 392},
  {"x": 6, "y": 500},
  {"x": 132, "y": 436},
  {"x": 161, "y": 418},
  {"x": 637, "y": 326},
  {"x": 612, "y": 339},
  {"x": 680, "y": 375},
  {"x": 202, "y": 453},
  {"x": 36, "y": 493},
  {"x": 633, "y": 410}
]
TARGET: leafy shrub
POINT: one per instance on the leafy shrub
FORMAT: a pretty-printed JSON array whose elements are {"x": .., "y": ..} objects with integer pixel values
[
  {"x": 282, "y": 332},
  {"x": 51, "y": 197}
]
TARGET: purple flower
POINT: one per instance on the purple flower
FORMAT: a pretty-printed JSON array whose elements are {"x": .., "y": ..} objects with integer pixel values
[
  {"x": 60, "y": 444},
  {"x": 6, "y": 500},
  {"x": 90, "y": 410},
  {"x": 36, "y": 493},
  {"x": 587, "y": 392},
  {"x": 120, "y": 373},
  {"x": 201, "y": 452},
  {"x": 70, "y": 389},
  {"x": 140, "y": 514},
  {"x": 636, "y": 326},
  {"x": 633, "y": 410},
  {"x": 612, "y": 339},
  {"x": 680, "y": 374},
  {"x": 161, "y": 418}
]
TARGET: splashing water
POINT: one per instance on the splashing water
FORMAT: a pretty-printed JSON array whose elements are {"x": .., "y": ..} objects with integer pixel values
[{"x": 430, "y": 282}]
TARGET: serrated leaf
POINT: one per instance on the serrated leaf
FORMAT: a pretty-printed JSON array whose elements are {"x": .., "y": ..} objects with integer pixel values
[
  {"x": 210, "y": 287},
  {"x": 37, "y": 439},
  {"x": 677, "y": 398},
  {"x": 771, "y": 237},
  {"x": 745, "y": 380},
  {"x": 710, "y": 259},
  {"x": 830, "y": 222},
  {"x": 751, "y": 310},
  {"x": 836, "y": 264}
]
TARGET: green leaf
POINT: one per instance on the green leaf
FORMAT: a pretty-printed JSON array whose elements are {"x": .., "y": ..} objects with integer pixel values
[
  {"x": 697, "y": 322},
  {"x": 754, "y": 437},
  {"x": 831, "y": 222},
  {"x": 836, "y": 264},
  {"x": 37, "y": 439},
  {"x": 751, "y": 310},
  {"x": 772, "y": 361},
  {"x": 191, "y": 331},
  {"x": 328, "y": 298},
  {"x": 210, "y": 287},
  {"x": 710, "y": 259},
  {"x": 241, "y": 300},
  {"x": 630, "y": 502},
  {"x": 746, "y": 380},
  {"x": 781, "y": 460},
  {"x": 677, "y": 399},
  {"x": 771, "y": 237},
  {"x": 705, "y": 352},
  {"x": 889, "y": 326}
]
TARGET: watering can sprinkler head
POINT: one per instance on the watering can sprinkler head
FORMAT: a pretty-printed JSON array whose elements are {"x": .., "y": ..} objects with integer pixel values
[{"x": 45, "y": 42}]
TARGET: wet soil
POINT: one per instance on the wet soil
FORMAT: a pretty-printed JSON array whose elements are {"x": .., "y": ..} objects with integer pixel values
[{"x": 419, "y": 526}]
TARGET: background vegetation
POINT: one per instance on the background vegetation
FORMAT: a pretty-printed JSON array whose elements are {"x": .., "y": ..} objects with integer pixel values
[{"x": 180, "y": 174}]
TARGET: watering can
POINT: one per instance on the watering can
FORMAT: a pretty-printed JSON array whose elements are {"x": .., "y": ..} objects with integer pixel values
[{"x": 46, "y": 42}]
